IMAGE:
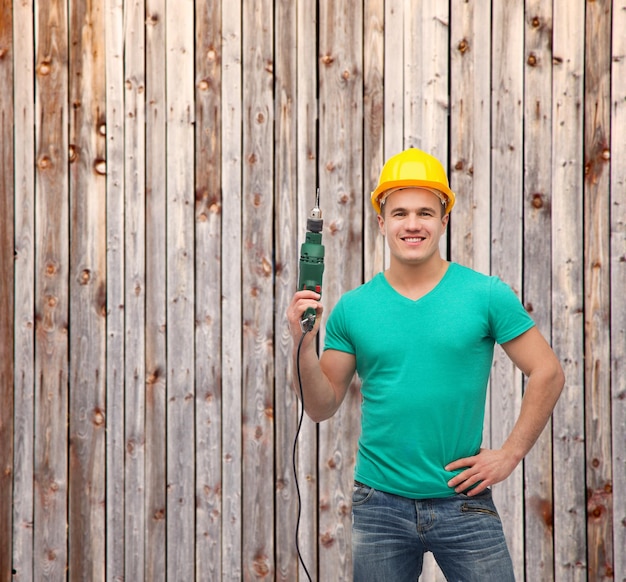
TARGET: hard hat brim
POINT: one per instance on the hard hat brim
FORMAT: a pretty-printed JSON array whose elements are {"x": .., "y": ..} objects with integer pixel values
[{"x": 398, "y": 184}]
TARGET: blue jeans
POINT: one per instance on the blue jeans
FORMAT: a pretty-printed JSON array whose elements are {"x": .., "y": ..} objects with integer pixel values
[{"x": 390, "y": 535}]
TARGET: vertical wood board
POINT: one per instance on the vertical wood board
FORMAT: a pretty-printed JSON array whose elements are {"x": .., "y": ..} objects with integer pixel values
[
  {"x": 597, "y": 289},
  {"x": 7, "y": 226},
  {"x": 51, "y": 291},
  {"x": 208, "y": 266},
  {"x": 341, "y": 179},
  {"x": 24, "y": 298},
  {"x": 179, "y": 63},
  {"x": 115, "y": 486},
  {"x": 537, "y": 291},
  {"x": 231, "y": 336},
  {"x": 567, "y": 291},
  {"x": 87, "y": 288},
  {"x": 618, "y": 283},
  {"x": 155, "y": 376},
  {"x": 506, "y": 244}
]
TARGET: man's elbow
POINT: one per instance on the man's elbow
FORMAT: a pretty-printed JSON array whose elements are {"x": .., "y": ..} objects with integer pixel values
[
  {"x": 557, "y": 378},
  {"x": 320, "y": 414}
]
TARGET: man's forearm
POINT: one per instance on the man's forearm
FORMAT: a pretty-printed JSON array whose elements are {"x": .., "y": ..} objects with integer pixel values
[
  {"x": 540, "y": 397},
  {"x": 320, "y": 400}
]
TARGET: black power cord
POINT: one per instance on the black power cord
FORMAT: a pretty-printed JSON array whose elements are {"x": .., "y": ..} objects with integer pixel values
[{"x": 307, "y": 326}]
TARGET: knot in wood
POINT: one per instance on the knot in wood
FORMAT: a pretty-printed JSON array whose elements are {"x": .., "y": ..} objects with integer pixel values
[
  {"x": 102, "y": 129},
  {"x": 44, "y": 163},
  {"x": 44, "y": 68},
  {"x": 211, "y": 54},
  {"x": 100, "y": 166},
  {"x": 532, "y": 60},
  {"x": 261, "y": 566},
  {"x": 159, "y": 514},
  {"x": 463, "y": 46},
  {"x": 535, "y": 22},
  {"x": 606, "y": 154},
  {"x": 266, "y": 267},
  {"x": 98, "y": 417},
  {"x": 328, "y": 59},
  {"x": 85, "y": 276},
  {"x": 260, "y": 118},
  {"x": 537, "y": 201},
  {"x": 459, "y": 165},
  {"x": 345, "y": 74},
  {"x": 203, "y": 85}
]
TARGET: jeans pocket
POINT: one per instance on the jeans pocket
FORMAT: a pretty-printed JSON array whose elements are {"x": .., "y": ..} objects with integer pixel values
[
  {"x": 361, "y": 493},
  {"x": 480, "y": 504}
]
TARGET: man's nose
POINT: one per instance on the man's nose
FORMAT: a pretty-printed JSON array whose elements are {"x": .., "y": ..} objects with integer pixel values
[{"x": 414, "y": 222}]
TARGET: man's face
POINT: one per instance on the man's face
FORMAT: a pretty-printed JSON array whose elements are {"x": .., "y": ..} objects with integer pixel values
[{"x": 412, "y": 222}]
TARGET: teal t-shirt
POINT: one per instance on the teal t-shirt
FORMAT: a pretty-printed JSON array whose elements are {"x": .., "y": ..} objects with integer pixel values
[{"x": 424, "y": 367}]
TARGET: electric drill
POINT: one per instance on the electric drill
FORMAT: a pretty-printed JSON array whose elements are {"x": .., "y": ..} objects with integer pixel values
[{"x": 312, "y": 261}]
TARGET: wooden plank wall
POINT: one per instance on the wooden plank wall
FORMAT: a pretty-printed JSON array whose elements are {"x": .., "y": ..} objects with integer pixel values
[{"x": 158, "y": 161}]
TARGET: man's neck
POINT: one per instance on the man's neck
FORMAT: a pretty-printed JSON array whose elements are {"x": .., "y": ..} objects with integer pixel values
[{"x": 415, "y": 281}]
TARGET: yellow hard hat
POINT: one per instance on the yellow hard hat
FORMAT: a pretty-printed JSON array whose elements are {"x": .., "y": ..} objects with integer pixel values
[{"x": 413, "y": 168}]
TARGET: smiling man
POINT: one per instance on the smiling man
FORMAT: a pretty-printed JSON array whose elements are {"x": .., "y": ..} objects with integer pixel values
[{"x": 424, "y": 355}]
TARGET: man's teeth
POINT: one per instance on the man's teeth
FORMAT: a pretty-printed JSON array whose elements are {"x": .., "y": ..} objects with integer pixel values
[{"x": 413, "y": 238}]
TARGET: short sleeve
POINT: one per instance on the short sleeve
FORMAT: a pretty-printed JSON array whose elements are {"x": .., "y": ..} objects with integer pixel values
[
  {"x": 507, "y": 316},
  {"x": 337, "y": 336}
]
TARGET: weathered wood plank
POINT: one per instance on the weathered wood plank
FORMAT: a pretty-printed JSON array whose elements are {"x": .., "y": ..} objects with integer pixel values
[
  {"x": 286, "y": 268},
  {"x": 87, "y": 403},
  {"x": 426, "y": 77},
  {"x": 155, "y": 294},
  {"x": 506, "y": 249},
  {"x": 51, "y": 291},
  {"x": 232, "y": 361},
  {"x": 341, "y": 180},
  {"x": 180, "y": 290},
  {"x": 373, "y": 135},
  {"x": 24, "y": 273},
  {"x": 208, "y": 292},
  {"x": 257, "y": 291},
  {"x": 115, "y": 155},
  {"x": 7, "y": 227},
  {"x": 597, "y": 291},
  {"x": 470, "y": 117},
  {"x": 134, "y": 291},
  {"x": 393, "y": 87},
  {"x": 393, "y": 100},
  {"x": 567, "y": 291},
  {"x": 307, "y": 162},
  {"x": 618, "y": 284},
  {"x": 538, "y": 501}
]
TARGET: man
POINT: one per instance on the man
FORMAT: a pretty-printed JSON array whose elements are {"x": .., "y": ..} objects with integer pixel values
[{"x": 420, "y": 335}]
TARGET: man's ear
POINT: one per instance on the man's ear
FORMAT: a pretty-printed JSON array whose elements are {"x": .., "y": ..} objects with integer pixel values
[
  {"x": 445, "y": 220},
  {"x": 381, "y": 224}
]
